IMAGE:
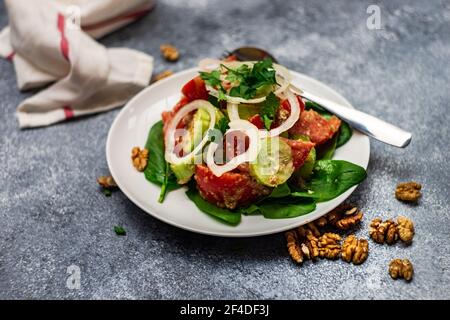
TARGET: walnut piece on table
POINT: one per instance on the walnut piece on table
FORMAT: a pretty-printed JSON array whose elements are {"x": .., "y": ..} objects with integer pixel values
[
  {"x": 405, "y": 228},
  {"x": 162, "y": 75},
  {"x": 408, "y": 191},
  {"x": 106, "y": 182},
  {"x": 383, "y": 231},
  {"x": 169, "y": 52},
  {"x": 399, "y": 268},
  {"x": 355, "y": 250},
  {"x": 329, "y": 245},
  {"x": 343, "y": 217}
]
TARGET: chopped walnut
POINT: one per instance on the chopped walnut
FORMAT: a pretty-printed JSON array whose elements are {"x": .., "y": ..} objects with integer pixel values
[
  {"x": 381, "y": 232},
  {"x": 302, "y": 244},
  {"x": 408, "y": 191},
  {"x": 343, "y": 217},
  {"x": 329, "y": 245},
  {"x": 293, "y": 247},
  {"x": 169, "y": 52},
  {"x": 399, "y": 268},
  {"x": 355, "y": 250},
  {"x": 162, "y": 75},
  {"x": 405, "y": 229},
  {"x": 311, "y": 226},
  {"x": 321, "y": 222},
  {"x": 349, "y": 221},
  {"x": 106, "y": 182},
  {"x": 311, "y": 243},
  {"x": 140, "y": 158}
]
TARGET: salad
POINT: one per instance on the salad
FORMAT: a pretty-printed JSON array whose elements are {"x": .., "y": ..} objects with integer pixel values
[{"x": 243, "y": 142}]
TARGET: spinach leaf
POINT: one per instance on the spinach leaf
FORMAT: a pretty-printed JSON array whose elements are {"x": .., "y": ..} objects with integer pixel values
[
  {"x": 251, "y": 210},
  {"x": 230, "y": 217},
  {"x": 280, "y": 191},
  {"x": 326, "y": 150},
  {"x": 158, "y": 170},
  {"x": 344, "y": 134},
  {"x": 287, "y": 207},
  {"x": 330, "y": 179},
  {"x": 309, "y": 105}
]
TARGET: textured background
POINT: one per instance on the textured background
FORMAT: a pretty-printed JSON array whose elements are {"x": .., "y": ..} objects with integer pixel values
[{"x": 53, "y": 214}]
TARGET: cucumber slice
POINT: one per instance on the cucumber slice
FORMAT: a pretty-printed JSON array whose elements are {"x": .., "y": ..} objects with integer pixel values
[
  {"x": 197, "y": 129},
  {"x": 306, "y": 169},
  {"x": 273, "y": 166}
]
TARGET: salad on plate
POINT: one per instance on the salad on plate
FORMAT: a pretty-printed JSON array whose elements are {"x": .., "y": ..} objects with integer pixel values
[{"x": 243, "y": 142}]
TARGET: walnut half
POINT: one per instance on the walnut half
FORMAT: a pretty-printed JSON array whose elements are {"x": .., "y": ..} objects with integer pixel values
[
  {"x": 169, "y": 52},
  {"x": 408, "y": 191},
  {"x": 383, "y": 231},
  {"x": 355, "y": 250},
  {"x": 405, "y": 229},
  {"x": 399, "y": 268}
]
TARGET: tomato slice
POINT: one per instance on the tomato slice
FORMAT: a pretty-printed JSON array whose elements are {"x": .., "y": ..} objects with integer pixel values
[
  {"x": 230, "y": 190},
  {"x": 257, "y": 121},
  {"x": 195, "y": 89}
]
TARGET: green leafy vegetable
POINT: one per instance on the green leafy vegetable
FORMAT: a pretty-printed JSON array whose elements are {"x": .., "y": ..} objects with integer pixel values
[
  {"x": 107, "y": 192},
  {"x": 222, "y": 125},
  {"x": 309, "y": 105},
  {"x": 120, "y": 231},
  {"x": 326, "y": 150},
  {"x": 330, "y": 179},
  {"x": 230, "y": 217},
  {"x": 287, "y": 208},
  {"x": 158, "y": 170},
  {"x": 280, "y": 191},
  {"x": 212, "y": 78},
  {"x": 219, "y": 129},
  {"x": 344, "y": 134},
  {"x": 249, "y": 82},
  {"x": 251, "y": 210},
  {"x": 269, "y": 109}
]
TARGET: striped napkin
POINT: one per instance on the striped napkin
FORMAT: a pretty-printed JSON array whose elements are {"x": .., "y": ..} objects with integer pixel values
[{"x": 52, "y": 42}]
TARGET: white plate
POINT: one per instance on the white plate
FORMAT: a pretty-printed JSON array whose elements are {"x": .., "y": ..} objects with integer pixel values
[{"x": 131, "y": 127}]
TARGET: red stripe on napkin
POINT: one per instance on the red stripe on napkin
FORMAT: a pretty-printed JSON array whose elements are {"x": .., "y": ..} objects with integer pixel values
[
  {"x": 68, "y": 112},
  {"x": 10, "y": 56},
  {"x": 64, "y": 44}
]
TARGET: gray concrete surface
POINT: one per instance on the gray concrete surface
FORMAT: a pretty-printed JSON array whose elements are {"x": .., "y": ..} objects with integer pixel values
[{"x": 52, "y": 214}]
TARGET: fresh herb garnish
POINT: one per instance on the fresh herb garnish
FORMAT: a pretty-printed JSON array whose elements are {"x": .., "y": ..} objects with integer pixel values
[
  {"x": 212, "y": 78},
  {"x": 107, "y": 192},
  {"x": 246, "y": 82},
  {"x": 221, "y": 126},
  {"x": 269, "y": 109},
  {"x": 120, "y": 231}
]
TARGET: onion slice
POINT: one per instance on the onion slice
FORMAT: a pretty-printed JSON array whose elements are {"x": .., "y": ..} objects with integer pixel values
[
  {"x": 169, "y": 139},
  {"x": 233, "y": 112},
  {"x": 249, "y": 155},
  {"x": 286, "y": 78},
  {"x": 290, "y": 121}
]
